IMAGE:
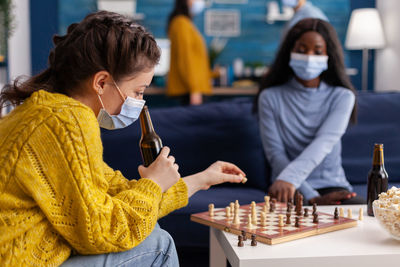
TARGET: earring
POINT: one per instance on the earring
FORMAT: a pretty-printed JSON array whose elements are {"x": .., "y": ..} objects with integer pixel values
[{"x": 100, "y": 90}]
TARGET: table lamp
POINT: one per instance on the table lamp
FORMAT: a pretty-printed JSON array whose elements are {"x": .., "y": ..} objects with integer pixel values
[{"x": 365, "y": 32}]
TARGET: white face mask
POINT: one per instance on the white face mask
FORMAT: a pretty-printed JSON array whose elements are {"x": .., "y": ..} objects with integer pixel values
[
  {"x": 197, "y": 7},
  {"x": 130, "y": 112},
  {"x": 290, "y": 3},
  {"x": 308, "y": 67}
]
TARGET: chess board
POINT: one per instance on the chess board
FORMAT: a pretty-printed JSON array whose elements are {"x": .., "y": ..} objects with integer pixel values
[{"x": 271, "y": 233}]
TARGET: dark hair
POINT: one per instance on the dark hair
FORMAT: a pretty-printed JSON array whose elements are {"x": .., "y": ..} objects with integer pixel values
[
  {"x": 181, "y": 8},
  {"x": 101, "y": 41},
  {"x": 280, "y": 71}
]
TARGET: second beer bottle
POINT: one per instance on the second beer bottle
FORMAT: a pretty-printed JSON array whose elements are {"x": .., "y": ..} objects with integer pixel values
[
  {"x": 377, "y": 178},
  {"x": 150, "y": 143}
]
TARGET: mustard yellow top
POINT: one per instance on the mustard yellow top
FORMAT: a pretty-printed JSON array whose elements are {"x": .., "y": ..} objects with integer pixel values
[
  {"x": 58, "y": 195},
  {"x": 189, "y": 68}
]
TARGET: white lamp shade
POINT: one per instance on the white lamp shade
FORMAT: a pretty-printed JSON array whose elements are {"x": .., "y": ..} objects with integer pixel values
[{"x": 365, "y": 30}]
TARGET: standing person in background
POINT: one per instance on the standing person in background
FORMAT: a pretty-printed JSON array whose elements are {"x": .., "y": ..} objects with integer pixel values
[
  {"x": 305, "y": 103},
  {"x": 189, "y": 76},
  {"x": 303, "y": 9}
]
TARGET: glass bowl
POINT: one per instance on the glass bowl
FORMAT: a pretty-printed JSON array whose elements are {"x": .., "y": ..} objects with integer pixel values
[{"x": 389, "y": 219}]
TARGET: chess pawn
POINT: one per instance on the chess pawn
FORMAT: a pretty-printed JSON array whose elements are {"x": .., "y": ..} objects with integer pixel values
[
  {"x": 305, "y": 212},
  {"x": 315, "y": 219},
  {"x": 253, "y": 240},
  {"x": 244, "y": 235},
  {"x": 341, "y": 212},
  {"x": 228, "y": 212},
  {"x": 254, "y": 217},
  {"x": 240, "y": 242},
  {"x": 349, "y": 214},
  {"x": 288, "y": 218},
  {"x": 360, "y": 214},
  {"x": 211, "y": 210},
  {"x": 314, "y": 208},
  {"x": 263, "y": 219},
  {"x": 253, "y": 204},
  {"x": 236, "y": 219},
  {"x": 237, "y": 204},
  {"x": 336, "y": 214},
  {"x": 281, "y": 224},
  {"x": 249, "y": 224},
  {"x": 266, "y": 199},
  {"x": 297, "y": 222}
]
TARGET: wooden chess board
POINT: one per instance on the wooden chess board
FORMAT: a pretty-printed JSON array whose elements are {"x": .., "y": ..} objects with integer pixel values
[{"x": 271, "y": 233}]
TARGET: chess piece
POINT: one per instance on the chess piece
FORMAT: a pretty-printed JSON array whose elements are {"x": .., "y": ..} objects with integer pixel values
[
  {"x": 265, "y": 208},
  {"x": 299, "y": 206},
  {"x": 349, "y": 215},
  {"x": 211, "y": 210},
  {"x": 266, "y": 199},
  {"x": 253, "y": 204},
  {"x": 240, "y": 242},
  {"x": 253, "y": 240},
  {"x": 288, "y": 218},
  {"x": 236, "y": 218},
  {"x": 244, "y": 180},
  {"x": 237, "y": 206},
  {"x": 272, "y": 207},
  {"x": 315, "y": 219},
  {"x": 244, "y": 235},
  {"x": 336, "y": 214},
  {"x": 273, "y": 200},
  {"x": 360, "y": 214},
  {"x": 314, "y": 208},
  {"x": 306, "y": 212},
  {"x": 281, "y": 224},
  {"x": 254, "y": 217},
  {"x": 262, "y": 218},
  {"x": 297, "y": 222},
  {"x": 341, "y": 212},
  {"x": 289, "y": 207},
  {"x": 228, "y": 212},
  {"x": 249, "y": 224}
]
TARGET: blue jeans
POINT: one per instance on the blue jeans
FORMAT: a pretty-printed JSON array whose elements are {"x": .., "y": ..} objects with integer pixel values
[{"x": 158, "y": 249}]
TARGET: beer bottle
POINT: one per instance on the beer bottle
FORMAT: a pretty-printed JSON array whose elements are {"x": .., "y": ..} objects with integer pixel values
[
  {"x": 377, "y": 178},
  {"x": 150, "y": 143}
]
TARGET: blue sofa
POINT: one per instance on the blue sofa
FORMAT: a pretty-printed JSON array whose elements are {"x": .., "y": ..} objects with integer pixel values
[{"x": 228, "y": 131}]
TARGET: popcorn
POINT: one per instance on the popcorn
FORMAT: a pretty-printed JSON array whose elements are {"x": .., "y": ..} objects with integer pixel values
[{"x": 387, "y": 211}]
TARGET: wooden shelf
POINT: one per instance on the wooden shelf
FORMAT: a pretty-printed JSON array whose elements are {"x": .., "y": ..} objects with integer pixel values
[{"x": 216, "y": 91}]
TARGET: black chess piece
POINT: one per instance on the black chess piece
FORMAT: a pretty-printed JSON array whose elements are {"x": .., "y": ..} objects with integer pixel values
[
  {"x": 297, "y": 223},
  {"x": 253, "y": 240},
  {"x": 288, "y": 218},
  {"x": 244, "y": 235},
  {"x": 306, "y": 212},
  {"x": 240, "y": 242},
  {"x": 336, "y": 214},
  {"x": 314, "y": 208},
  {"x": 315, "y": 219}
]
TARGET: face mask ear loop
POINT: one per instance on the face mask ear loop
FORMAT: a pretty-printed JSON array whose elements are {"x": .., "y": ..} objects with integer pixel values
[
  {"x": 119, "y": 91},
  {"x": 101, "y": 102}
]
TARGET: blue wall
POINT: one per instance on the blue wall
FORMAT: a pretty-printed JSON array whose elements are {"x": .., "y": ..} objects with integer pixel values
[{"x": 258, "y": 42}]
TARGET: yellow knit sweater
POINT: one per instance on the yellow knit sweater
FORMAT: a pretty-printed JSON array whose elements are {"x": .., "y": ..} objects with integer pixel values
[
  {"x": 190, "y": 68},
  {"x": 58, "y": 195}
]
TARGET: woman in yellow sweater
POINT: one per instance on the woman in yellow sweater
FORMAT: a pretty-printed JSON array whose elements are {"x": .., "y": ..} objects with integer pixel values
[
  {"x": 189, "y": 76},
  {"x": 57, "y": 196}
]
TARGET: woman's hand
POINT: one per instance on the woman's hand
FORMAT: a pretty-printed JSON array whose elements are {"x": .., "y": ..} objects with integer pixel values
[
  {"x": 282, "y": 191},
  {"x": 333, "y": 198},
  {"x": 163, "y": 171},
  {"x": 218, "y": 173},
  {"x": 196, "y": 99}
]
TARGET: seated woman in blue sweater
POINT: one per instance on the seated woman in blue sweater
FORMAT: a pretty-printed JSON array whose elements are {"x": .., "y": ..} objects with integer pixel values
[{"x": 305, "y": 104}]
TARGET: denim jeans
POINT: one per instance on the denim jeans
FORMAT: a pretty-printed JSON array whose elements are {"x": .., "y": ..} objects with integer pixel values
[{"x": 158, "y": 249}]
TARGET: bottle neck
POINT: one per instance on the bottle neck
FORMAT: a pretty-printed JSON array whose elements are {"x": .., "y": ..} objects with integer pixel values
[
  {"x": 145, "y": 121},
  {"x": 378, "y": 161}
]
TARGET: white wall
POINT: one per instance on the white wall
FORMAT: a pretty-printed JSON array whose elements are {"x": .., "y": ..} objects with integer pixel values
[
  {"x": 19, "y": 45},
  {"x": 387, "y": 62}
]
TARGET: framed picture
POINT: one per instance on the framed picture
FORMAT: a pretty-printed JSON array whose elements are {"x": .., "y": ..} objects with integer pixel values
[{"x": 224, "y": 23}]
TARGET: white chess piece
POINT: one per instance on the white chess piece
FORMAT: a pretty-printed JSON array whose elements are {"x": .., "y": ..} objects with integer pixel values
[
  {"x": 360, "y": 214},
  {"x": 349, "y": 215},
  {"x": 236, "y": 218},
  {"x": 211, "y": 210},
  {"x": 341, "y": 212},
  {"x": 228, "y": 212},
  {"x": 262, "y": 218},
  {"x": 249, "y": 224},
  {"x": 281, "y": 222}
]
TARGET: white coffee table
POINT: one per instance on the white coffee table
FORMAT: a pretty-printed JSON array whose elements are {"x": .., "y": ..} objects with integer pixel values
[{"x": 361, "y": 246}]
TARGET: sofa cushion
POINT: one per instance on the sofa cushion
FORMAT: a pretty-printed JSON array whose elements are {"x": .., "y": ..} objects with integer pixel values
[
  {"x": 197, "y": 136},
  {"x": 378, "y": 122}
]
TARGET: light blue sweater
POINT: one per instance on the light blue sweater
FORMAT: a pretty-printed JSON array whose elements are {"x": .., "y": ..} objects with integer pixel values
[{"x": 301, "y": 130}]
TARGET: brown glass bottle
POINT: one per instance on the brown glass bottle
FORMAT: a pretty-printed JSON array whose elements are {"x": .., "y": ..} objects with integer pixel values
[
  {"x": 377, "y": 178},
  {"x": 150, "y": 143}
]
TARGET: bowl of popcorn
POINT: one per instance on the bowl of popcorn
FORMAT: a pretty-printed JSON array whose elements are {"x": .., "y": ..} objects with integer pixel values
[{"x": 387, "y": 211}]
